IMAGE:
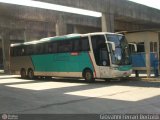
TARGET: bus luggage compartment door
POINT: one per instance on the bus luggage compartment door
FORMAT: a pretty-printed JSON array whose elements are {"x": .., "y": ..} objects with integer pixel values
[{"x": 105, "y": 72}]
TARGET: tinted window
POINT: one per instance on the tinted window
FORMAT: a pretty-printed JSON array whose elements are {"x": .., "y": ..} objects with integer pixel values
[
  {"x": 76, "y": 45},
  {"x": 52, "y": 47},
  {"x": 85, "y": 44},
  {"x": 65, "y": 46},
  {"x": 13, "y": 51},
  {"x": 18, "y": 51},
  {"x": 41, "y": 48},
  {"x": 29, "y": 50},
  {"x": 140, "y": 47},
  {"x": 46, "y": 48},
  {"x": 97, "y": 41}
]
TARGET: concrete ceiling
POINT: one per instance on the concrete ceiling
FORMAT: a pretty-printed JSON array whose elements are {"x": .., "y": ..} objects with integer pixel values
[{"x": 21, "y": 15}]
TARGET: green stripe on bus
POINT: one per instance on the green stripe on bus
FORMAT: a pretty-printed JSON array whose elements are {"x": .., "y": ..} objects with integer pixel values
[
  {"x": 63, "y": 62},
  {"x": 125, "y": 68}
]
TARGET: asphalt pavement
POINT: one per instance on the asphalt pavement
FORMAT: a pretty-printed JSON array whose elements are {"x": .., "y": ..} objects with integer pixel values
[{"x": 73, "y": 96}]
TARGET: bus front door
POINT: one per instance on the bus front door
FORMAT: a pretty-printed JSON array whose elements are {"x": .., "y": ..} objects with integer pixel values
[{"x": 104, "y": 65}]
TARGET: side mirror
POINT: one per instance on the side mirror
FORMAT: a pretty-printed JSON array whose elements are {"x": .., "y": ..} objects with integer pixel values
[
  {"x": 135, "y": 46},
  {"x": 112, "y": 44}
]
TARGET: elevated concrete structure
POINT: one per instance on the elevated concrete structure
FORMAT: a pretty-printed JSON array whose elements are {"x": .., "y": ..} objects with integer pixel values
[{"x": 116, "y": 10}]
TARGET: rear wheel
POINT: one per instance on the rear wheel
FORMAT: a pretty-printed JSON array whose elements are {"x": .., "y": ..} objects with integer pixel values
[
  {"x": 30, "y": 74},
  {"x": 88, "y": 76},
  {"x": 23, "y": 73},
  {"x": 48, "y": 77},
  {"x": 108, "y": 79}
]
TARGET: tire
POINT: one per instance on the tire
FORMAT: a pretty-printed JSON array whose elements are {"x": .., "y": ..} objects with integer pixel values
[
  {"x": 88, "y": 76},
  {"x": 48, "y": 77},
  {"x": 107, "y": 79},
  {"x": 30, "y": 74},
  {"x": 23, "y": 73}
]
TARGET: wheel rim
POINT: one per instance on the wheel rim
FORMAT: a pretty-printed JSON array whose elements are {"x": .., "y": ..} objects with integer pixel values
[
  {"x": 88, "y": 76},
  {"x": 23, "y": 74},
  {"x": 30, "y": 74}
]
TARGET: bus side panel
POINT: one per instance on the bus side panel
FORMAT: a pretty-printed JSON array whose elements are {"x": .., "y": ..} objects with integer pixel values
[
  {"x": 17, "y": 63},
  {"x": 63, "y": 62}
]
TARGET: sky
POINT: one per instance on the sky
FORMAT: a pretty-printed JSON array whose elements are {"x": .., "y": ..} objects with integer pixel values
[
  {"x": 37, "y": 4},
  {"x": 150, "y": 3}
]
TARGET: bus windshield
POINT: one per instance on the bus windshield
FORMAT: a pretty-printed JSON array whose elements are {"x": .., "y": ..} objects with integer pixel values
[{"x": 121, "y": 54}]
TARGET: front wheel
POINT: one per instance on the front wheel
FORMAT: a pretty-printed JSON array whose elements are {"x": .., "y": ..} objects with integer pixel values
[
  {"x": 108, "y": 79},
  {"x": 30, "y": 74},
  {"x": 88, "y": 76}
]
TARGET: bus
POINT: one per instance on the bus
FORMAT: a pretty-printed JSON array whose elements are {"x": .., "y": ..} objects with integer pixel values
[{"x": 89, "y": 56}]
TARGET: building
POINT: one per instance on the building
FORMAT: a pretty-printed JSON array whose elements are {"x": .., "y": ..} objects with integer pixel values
[{"x": 148, "y": 44}]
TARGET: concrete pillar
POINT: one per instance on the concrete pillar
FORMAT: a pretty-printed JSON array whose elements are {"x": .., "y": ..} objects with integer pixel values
[
  {"x": 158, "y": 51},
  {"x": 107, "y": 22},
  {"x": 6, "y": 51},
  {"x": 76, "y": 29},
  {"x": 1, "y": 55},
  {"x": 148, "y": 63},
  {"x": 25, "y": 36},
  {"x": 61, "y": 26}
]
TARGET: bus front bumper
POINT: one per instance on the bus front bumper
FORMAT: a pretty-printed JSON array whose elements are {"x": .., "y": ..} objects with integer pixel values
[{"x": 117, "y": 73}]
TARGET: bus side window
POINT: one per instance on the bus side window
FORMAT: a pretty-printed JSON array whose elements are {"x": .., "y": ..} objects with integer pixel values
[
  {"x": 11, "y": 51},
  {"x": 68, "y": 46},
  {"x": 60, "y": 47},
  {"x": 29, "y": 50},
  {"x": 50, "y": 47},
  {"x": 40, "y": 48},
  {"x": 140, "y": 48},
  {"x": 23, "y": 51},
  {"x": 54, "y": 47},
  {"x": 85, "y": 44},
  {"x": 76, "y": 45},
  {"x": 14, "y": 51},
  {"x": 19, "y": 51},
  {"x": 65, "y": 46},
  {"x": 46, "y": 48}
]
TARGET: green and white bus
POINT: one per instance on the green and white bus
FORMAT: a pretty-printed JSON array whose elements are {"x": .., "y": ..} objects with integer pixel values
[{"x": 89, "y": 56}]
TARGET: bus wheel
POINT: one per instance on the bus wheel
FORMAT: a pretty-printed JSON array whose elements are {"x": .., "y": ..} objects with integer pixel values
[
  {"x": 108, "y": 79},
  {"x": 30, "y": 74},
  {"x": 48, "y": 77},
  {"x": 23, "y": 73},
  {"x": 88, "y": 75}
]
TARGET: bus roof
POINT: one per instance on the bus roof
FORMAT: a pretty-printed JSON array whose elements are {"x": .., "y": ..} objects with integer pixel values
[{"x": 58, "y": 38}]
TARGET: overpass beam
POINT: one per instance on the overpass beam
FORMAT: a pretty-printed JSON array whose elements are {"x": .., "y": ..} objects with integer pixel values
[
  {"x": 61, "y": 27},
  {"x": 107, "y": 22}
]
